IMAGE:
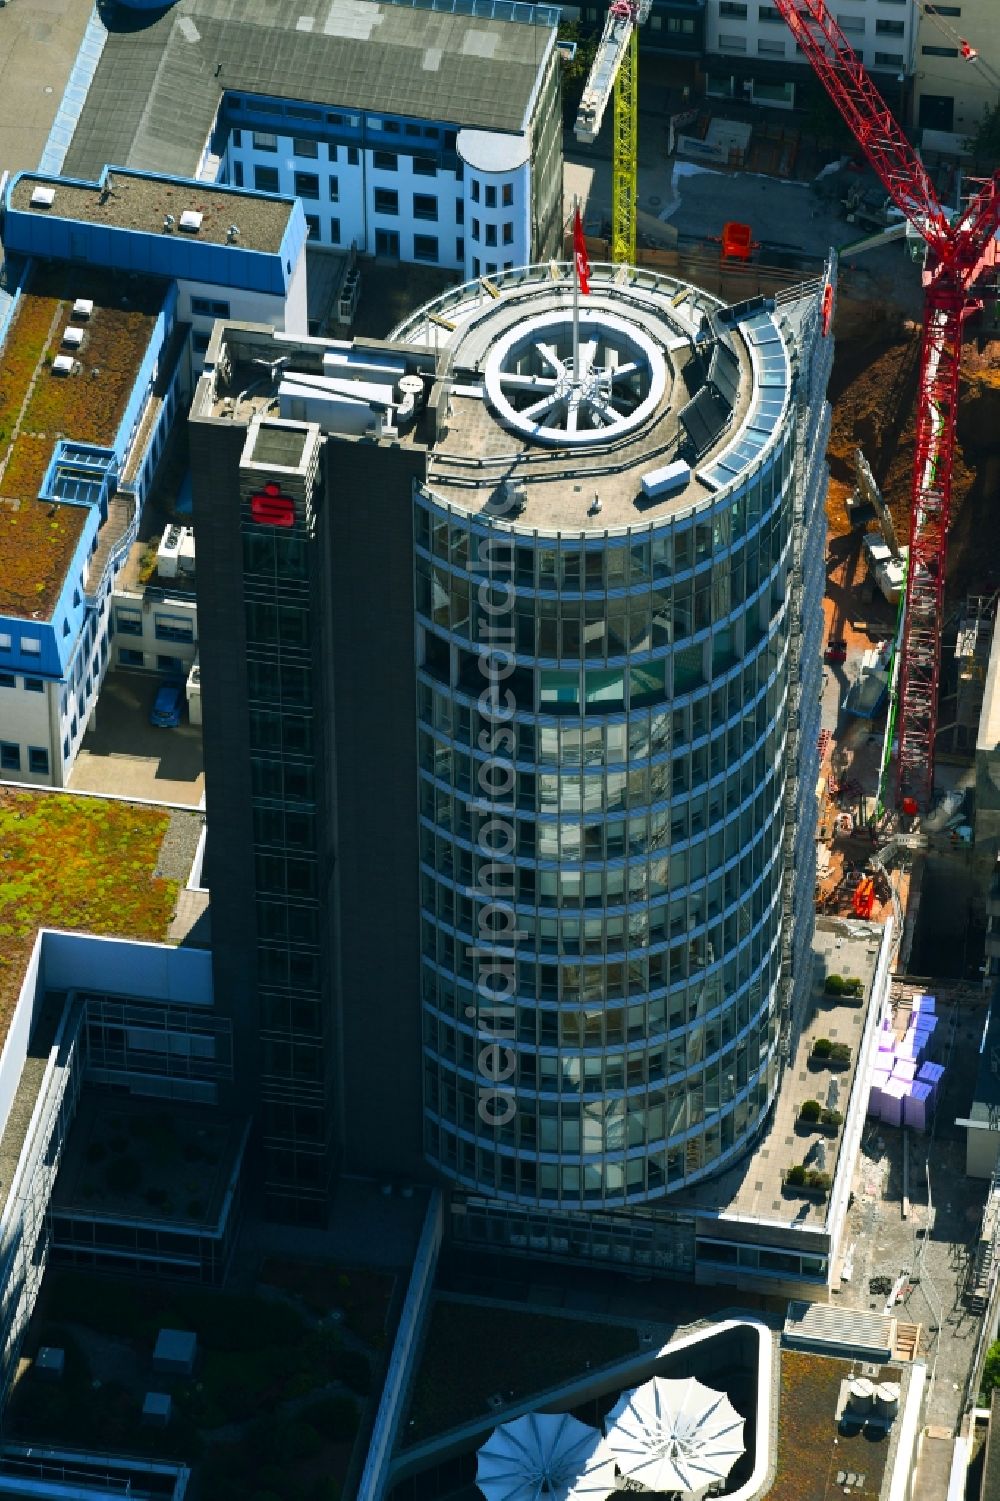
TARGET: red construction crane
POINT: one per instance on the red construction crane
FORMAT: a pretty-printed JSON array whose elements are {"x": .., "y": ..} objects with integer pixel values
[{"x": 957, "y": 256}]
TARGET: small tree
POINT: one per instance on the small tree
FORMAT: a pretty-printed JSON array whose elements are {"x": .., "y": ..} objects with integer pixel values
[
  {"x": 796, "y": 1175},
  {"x": 810, "y": 1110},
  {"x": 822, "y": 1047},
  {"x": 834, "y": 985},
  {"x": 831, "y": 1118},
  {"x": 574, "y": 74},
  {"x": 840, "y": 1052},
  {"x": 991, "y": 1368}
]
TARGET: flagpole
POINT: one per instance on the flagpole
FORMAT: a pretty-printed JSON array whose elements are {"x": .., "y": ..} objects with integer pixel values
[{"x": 576, "y": 298}]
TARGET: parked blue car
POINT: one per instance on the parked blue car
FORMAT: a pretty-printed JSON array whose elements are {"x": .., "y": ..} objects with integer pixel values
[{"x": 166, "y": 710}]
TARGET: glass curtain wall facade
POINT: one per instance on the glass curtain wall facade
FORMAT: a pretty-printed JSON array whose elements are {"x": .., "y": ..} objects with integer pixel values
[{"x": 645, "y": 718}]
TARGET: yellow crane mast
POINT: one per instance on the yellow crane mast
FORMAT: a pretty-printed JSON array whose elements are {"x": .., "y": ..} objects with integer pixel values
[{"x": 615, "y": 71}]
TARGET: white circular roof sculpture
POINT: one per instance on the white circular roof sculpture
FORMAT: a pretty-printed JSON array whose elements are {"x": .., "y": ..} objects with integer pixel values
[
  {"x": 489, "y": 151},
  {"x": 537, "y": 388},
  {"x": 545, "y": 1455},
  {"x": 675, "y": 1436}
]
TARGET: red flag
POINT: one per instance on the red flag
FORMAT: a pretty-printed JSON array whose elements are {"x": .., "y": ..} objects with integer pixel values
[{"x": 580, "y": 255}]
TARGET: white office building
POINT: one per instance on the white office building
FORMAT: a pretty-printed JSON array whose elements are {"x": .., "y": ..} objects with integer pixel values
[
  {"x": 411, "y": 133},
  {"x": 751, "y": 54}
]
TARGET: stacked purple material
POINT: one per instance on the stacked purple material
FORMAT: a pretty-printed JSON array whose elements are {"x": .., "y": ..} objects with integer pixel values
[
  {"x": 904, "y": 1087},
  {"x": 912, "y": 1046},
  {"x": 917, "y": 1106},
  {"x": 880, "y": 1079},
  {"x": 892, "y": 1101}
]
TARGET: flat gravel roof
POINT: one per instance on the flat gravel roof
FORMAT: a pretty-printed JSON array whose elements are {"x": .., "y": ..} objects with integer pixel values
[
  {"x": 142, "y": 203},
  {"x": 157, "y": 87}
]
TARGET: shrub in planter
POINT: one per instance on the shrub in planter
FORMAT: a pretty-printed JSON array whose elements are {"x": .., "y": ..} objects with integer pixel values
[
  {"x": 822, "y": 1047},
  {"x": 834, "y": 985},
  {"x": 810, "y": 1110},
  {"x": 855, "y": 987},
  {"x": 840, "y": 1053},
  {"x": 831, "y": 1118},
  {"x": 816, "y": 1179},
  {"x": 796, "y": 1175}
]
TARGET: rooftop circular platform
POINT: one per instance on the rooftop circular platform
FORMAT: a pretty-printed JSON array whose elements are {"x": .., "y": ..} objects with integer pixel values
[
  {"x": 665, "y": 400},
  {"x": 553, "y": 389}
]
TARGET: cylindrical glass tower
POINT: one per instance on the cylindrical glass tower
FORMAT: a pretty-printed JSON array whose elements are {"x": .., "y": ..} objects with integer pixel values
[{"x": 604, "y": 597}]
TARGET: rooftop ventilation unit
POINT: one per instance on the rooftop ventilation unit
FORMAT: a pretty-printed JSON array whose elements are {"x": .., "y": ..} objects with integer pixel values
[
  {"x": 185, "y": 551},
  {"x": 232, "y": 233},
  {"x": 191, "y": 220},
  {"x": 168, "y": 223},
  {"x": 72, "y": 337},
  {"x": 666, "y": 481},
  {"x": 168, "y": 552},
  {"x": 83, "y": 307},
  {"x": 42, "y": 197},
  {"x": 63, "y": 364}
]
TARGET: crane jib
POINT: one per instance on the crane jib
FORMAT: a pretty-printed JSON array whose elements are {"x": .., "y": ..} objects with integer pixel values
[{"x": 957, "y": 255}]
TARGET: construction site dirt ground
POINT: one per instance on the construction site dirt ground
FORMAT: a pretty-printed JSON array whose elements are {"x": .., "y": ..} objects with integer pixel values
[{"x": 873, "y": 392}]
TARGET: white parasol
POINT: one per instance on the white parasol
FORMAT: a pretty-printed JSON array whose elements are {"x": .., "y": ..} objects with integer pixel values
[
  {"x": 675, "y": 1436},
  {"x": 545, "y": 1455}
]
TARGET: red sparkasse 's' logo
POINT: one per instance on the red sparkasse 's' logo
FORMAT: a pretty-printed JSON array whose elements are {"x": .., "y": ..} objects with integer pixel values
[{"x": 272, "y": 508}]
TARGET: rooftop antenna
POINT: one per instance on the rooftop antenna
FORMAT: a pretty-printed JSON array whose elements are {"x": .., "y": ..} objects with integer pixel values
[{"x": 107, "y": 189}]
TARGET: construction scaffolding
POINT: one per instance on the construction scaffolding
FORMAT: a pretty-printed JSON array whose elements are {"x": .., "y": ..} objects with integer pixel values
[
  {"x": 972, "y": 654},
  {"x": 984, "y": 1264}
]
